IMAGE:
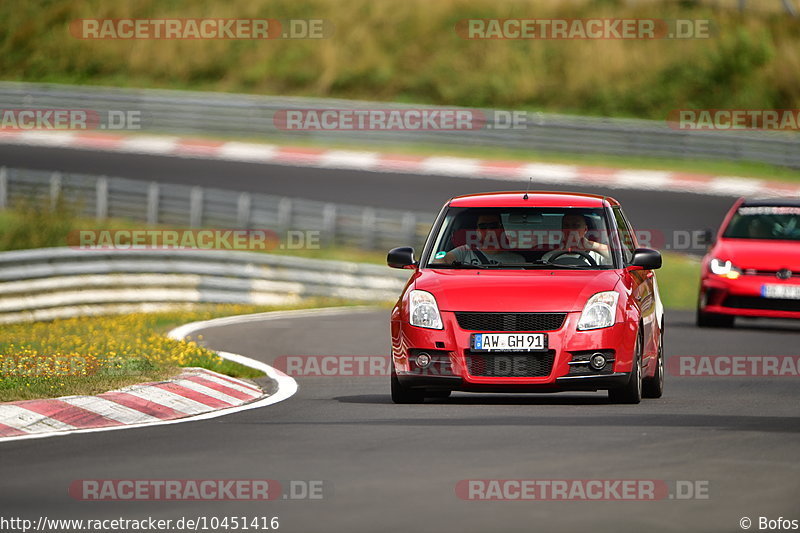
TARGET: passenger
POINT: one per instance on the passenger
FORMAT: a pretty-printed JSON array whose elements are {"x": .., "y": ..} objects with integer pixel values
[{"x": 484, "y": 245}]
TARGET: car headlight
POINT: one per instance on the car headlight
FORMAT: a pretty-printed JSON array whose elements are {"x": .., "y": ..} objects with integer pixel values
[
  {"x": 600, "y": 311},
  {"x": 724, "y": 269},
  {"x": 423, "y": 311}
]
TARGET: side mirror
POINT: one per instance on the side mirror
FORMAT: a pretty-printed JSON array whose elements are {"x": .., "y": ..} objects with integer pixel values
[
  {"x": 646, "y": 259},
  {"x": 402, "y": 257}
]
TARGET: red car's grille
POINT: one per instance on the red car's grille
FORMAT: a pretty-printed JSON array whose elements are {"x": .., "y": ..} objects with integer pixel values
[
  {"x": 510, "y": 321},
  {"x": 755, "y": 302},
  {"x": 510, "y": 364}
]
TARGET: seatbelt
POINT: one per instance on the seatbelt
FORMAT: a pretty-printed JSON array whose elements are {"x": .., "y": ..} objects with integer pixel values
[{"x": 481, "y": 257}]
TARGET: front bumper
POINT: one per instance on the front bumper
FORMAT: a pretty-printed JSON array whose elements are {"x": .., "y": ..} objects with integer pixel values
[
  {"x": 743, "y": 297},
  {"x": 452, "y": 368}
]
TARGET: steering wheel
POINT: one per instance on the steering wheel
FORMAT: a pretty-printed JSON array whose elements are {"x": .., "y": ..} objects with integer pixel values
[{"x": 584, "y": 255}]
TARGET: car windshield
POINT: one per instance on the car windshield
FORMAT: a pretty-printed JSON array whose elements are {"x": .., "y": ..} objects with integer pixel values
[
  {"x": 523, "y": 238},
  {"x": 765, "y": 222}
]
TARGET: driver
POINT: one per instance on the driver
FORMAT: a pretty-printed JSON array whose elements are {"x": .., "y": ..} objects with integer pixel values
[
  {"x": 573, "y": 237},
  {"x": 757, "y": 229},
  {"x": 487, "y": 250}
]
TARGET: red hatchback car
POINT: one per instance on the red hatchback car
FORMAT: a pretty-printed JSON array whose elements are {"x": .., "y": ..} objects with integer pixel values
[
  {"x": 752, "y": 268},
  {"x": 528, "y": 292}
]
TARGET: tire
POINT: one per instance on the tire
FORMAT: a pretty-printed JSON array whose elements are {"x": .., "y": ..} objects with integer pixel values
[
  {"x": 401, "y": 394},
  {"x": 654, "y": 387},
  {"x": 631, "y": 392},
  {"x": 438, "y": 394},
  {"x": 713, "y": 320}
]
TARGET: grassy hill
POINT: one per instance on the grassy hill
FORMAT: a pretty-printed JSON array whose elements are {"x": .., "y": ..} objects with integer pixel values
[{"x": 409, "y": 51}]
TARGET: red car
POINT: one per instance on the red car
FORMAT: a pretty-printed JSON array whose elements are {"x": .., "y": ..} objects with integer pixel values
[
  {"x": 752, "y": 268},
  {"x": 528, "y": 292}
]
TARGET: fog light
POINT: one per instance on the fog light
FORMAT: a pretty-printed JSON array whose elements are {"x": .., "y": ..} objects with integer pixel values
[
  {"x": 423, "y": 360},
  {"x": 597, "y": 361}
]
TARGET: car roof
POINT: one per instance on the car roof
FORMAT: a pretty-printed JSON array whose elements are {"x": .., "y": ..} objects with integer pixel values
[
  {"x": 535, "y": 199},
  {"x": 772, "y": 202}
]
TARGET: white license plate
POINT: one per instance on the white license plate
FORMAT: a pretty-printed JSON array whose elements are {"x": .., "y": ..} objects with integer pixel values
[
  {"x": 787, "y": 292},
  {"x": 509, "y": 342}
]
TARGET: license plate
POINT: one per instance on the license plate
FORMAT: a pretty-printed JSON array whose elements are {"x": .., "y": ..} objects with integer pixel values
[
  {"x": 786, "y": 292},
  {"x": 509, "y": 342}
]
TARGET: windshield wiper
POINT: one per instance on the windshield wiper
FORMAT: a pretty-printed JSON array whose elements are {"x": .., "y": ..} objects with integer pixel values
[
  {"x": 537, "y": 264},
  {"x": 570, "y": 267},
  {"x": 455, "y": 264}
]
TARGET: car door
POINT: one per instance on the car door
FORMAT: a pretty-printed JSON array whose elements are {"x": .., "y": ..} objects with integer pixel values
[{"x": 641, "y": 284}]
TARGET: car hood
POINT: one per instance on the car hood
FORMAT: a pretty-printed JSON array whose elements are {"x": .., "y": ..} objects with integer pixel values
[
  {"x": 759, "y": 254},
  {"x": 514, "y": 290}
]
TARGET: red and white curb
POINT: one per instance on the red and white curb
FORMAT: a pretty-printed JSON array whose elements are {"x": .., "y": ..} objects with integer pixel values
[
  {"x": 194, "y": 391},
  {"x": 462, "y": 167}
]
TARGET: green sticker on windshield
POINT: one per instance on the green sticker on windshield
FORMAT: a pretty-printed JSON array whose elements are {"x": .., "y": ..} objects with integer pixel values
[{"x": 439, "y": 255}]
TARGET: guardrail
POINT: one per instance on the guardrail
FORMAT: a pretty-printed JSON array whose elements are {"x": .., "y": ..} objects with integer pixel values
[
  {"x": 153, "y": 203},
  {"x": 50, "y": 283},
  {"x": 239, "y": 115}
]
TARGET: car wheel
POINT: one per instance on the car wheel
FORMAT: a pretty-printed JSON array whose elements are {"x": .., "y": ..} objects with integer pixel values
[
  {"x": 713, "y": 320},
  {"x": 654, "y": 387},
  {"x": 438, "y": 394},
  {"x": 631, "y": 392},
  {"x": 401, "y": 394}
]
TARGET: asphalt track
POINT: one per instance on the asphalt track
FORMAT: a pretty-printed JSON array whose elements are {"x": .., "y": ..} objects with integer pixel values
[{"x": 394, "y": 468}]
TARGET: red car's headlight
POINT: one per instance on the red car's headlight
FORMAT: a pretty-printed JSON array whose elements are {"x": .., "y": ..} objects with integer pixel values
[
  {"x": 724, "y": 268},
  {"x": 423, "y": 311},
  {"x": 600, "y": 311}
]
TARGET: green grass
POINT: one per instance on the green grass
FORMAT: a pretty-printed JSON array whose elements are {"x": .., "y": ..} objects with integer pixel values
[
  {"x": 409, "y": 52},
  {"x": 91, "y": 355},
  {"x": 679, "y": 281}
]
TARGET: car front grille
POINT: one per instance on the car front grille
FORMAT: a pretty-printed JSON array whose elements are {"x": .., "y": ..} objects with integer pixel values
[
  {"x": 756, "y": 302},
  {"x": 510, "y": 321},
  {"x": 510, "y": 364}
]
